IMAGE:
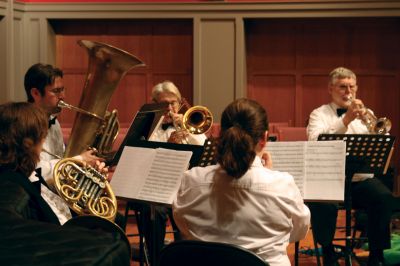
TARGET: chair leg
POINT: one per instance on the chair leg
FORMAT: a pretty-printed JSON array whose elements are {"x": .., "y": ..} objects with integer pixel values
[
  {"x": 317, "y": 255},
  {"x": 296, "y": 253}
]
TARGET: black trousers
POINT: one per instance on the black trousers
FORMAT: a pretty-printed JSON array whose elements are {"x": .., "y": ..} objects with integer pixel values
[{"x": 370, "y": 195}]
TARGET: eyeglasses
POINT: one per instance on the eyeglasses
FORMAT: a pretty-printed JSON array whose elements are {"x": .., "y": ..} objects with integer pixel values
[
  {"x": 57, "y": 90},
  {"x": 347, "y": 86},
  {"x": 173, "y": 104}
]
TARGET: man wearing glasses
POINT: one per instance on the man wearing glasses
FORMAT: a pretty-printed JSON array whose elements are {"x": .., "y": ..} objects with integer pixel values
[
  {"x": 44, "y": 87},
  {"x": 344, "y": 116},
  {"x": 171, "y": 129}
]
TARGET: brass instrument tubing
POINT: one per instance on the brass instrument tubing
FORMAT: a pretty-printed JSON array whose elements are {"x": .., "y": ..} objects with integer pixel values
[{"x": 63, "y": 104}]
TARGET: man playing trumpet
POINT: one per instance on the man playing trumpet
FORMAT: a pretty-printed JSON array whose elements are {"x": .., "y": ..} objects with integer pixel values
[
  {"x": 172, "y": 129},
  {"x": 344, "y": 116}
]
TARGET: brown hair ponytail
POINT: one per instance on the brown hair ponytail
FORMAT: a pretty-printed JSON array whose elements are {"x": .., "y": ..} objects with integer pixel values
[{"x": 243, "y": 124}]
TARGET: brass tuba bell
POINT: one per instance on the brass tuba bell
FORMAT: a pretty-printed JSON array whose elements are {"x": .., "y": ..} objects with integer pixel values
[{"x": 94, "y": 126}]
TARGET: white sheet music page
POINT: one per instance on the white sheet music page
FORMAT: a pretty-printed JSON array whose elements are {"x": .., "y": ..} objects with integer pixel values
[
  {"x": 325, "y": 167},
  {"x": 318, "y": 167},
  {"x": 150, "y": 174},
  {"x": 289, "y": 157}
]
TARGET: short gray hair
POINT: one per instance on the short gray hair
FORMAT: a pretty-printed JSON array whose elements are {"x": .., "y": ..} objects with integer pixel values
[
  {"x": 165, "y": 86},
  {"x": 341, "y": 73}
]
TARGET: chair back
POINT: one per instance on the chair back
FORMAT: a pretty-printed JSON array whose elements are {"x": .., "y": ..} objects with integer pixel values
[
  {"x": 201, "y": 253},
  {"x": 292, "y": 134}
]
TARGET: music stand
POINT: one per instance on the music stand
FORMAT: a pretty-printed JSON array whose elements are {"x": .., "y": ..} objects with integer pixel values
[
  {"x": 145, "y": 121},
  {"x": 364, "y": 154}
]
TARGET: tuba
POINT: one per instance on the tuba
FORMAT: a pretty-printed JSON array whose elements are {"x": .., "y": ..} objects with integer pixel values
[
  {"x": 94, "y": 126},
  {"x": 84, "y": 189}
]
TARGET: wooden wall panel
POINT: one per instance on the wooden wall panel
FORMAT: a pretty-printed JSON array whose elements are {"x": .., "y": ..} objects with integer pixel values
[
  {"x": 165, "y": 46},
  {"x": 271, "y": 43},
  {"x": 315, "y": 93},
  {"x": 273, "y": 90}
]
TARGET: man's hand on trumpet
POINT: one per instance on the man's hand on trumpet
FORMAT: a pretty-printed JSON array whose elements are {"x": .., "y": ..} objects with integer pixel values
[
  {"x": 356, "y": 109},
  {"x": 178, "y": 136}
]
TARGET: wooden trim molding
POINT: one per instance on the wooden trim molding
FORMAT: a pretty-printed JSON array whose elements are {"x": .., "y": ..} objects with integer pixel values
[{"x": 244, "y": 9}]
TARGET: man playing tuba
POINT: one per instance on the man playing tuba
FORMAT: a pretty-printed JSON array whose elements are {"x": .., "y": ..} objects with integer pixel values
[{"x": 44, "y": 87}]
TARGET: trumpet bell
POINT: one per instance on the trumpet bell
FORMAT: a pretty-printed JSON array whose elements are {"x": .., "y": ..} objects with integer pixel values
[
  {"x": 197, "y": 120},
  {"x": 382, "y": 125}
]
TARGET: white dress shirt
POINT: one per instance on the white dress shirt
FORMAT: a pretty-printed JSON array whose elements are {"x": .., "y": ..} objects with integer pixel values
[
  {"x": 162, "y": 135},
  {"x": 261, "y": 211},
  {"x": 56, "y": 203},
  {"x": 324, "y": 120},
  {"x": 54, "y": 144}
]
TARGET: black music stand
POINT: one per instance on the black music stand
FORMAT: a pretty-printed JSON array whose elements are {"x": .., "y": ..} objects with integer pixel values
[
  {"x": 364, "y": 154},
  {"x": 144, "y": 123}
]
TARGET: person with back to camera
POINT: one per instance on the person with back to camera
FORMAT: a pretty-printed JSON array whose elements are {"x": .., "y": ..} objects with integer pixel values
[
  {"x": 23, "y": 131},
  {"x": 241, "y": 200},
  {"x": 343, "y": 116}
]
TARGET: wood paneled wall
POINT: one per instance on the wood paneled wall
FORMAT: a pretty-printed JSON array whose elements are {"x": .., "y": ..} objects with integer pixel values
[
  {"x": 165, "y": 46},
  {"x": 288, "y": 62}
]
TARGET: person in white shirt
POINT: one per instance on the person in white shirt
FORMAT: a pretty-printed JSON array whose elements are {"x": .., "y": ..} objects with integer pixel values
[
  {"x": 44, "y": 87},
  {"x": 241, "y": 200},
  {"x": 343, "y": 115},
  {"x": 172, "y": 129}
]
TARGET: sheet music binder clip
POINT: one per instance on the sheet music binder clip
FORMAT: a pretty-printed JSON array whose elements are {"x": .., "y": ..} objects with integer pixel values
[{"x": 208, "y": 156}]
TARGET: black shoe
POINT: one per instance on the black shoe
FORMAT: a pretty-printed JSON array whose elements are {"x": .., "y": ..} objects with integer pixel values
[
  {"x": 375, "y": 262},
  {"x": 376, "y": 258},
  {"x": 329, "y": 256}
]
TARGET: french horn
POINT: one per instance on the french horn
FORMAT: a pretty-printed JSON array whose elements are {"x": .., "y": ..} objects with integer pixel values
[{"x": 85, "y": 189}]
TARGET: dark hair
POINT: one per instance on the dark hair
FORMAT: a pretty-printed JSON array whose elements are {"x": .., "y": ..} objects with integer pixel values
[
  {"x": 243, "y": 125},
  {"x": 23, "y": 126},
  {"x": 39, "y": 76}
]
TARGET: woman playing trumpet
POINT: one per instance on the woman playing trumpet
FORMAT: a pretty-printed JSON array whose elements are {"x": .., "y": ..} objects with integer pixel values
[{"x": 172, "y": 129}]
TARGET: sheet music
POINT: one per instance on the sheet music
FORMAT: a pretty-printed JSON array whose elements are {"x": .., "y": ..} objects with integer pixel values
[
  {"x": 318, "y": 167},
  {"x": 150, "y": 174},
  {"x": 289, "y": 157}
]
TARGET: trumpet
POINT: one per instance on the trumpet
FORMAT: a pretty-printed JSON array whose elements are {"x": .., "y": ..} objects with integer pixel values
[
  {"x": 196, "y": 120},
  {"x": 374, "y": 125}
]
